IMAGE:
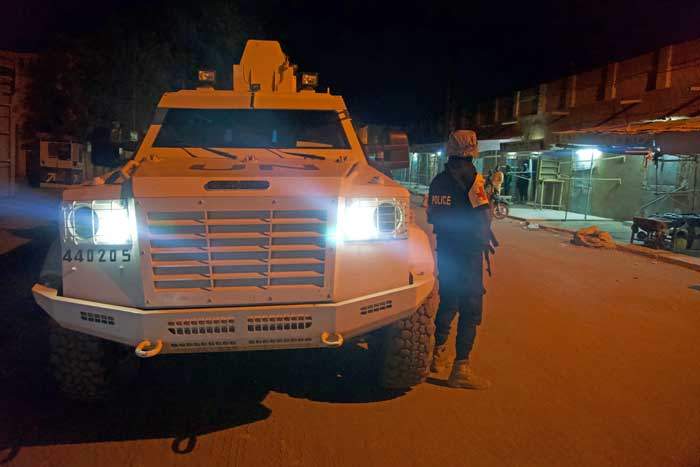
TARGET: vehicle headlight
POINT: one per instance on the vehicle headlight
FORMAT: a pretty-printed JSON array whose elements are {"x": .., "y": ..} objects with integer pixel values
[
  {"x": 371, "y": 219},
  {"x": 100, "y": 222}
]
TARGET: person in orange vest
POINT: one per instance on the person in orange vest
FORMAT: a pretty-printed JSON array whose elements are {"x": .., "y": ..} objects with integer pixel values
[{"x": 497, "y": 180}]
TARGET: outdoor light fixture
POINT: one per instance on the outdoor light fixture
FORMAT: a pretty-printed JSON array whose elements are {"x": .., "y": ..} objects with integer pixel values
[
  {"x": 371, "y": 219},
  {"x": 103, "y": 222},
  {"x": 207, "y": 77},
  {"x": 309, "y": 81}
]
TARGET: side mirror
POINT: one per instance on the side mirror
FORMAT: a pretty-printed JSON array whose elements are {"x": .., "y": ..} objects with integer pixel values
[{"x": 396, "y": 150}]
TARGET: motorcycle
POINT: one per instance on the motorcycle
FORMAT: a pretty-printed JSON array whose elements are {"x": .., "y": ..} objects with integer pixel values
[{"x": 499, "y": 206}]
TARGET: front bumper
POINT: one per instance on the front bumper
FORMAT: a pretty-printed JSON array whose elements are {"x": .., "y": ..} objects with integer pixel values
[{"x": 218, "y": 329}]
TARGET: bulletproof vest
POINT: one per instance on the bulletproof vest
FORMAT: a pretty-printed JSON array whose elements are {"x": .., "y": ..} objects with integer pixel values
[{"x": 459, "y": 214}]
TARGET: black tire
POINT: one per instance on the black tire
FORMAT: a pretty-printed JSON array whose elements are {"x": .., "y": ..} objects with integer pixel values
[
  {"x": 693, "y": 233},
  {"x": 88, "y": 368},
  {"x": 407, "y": 347},
  {"x": 680, "y": 242}
]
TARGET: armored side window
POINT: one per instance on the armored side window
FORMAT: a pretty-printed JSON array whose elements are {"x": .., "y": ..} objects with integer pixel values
[{"x": 252, "y": 128}]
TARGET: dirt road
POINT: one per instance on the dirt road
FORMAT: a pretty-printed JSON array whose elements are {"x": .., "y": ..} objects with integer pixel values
[{"x": 594, "y": 356}]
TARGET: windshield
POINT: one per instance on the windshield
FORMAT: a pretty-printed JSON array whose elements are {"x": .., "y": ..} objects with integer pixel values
[{"x": 251, "y": 128}]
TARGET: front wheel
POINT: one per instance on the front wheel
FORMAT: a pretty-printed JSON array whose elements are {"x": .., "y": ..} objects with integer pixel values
[
  {"x": 407, "y": 347},
  {"x": 499, "y": 210},
  {"x": 680, "y": 242},
  {"x": 88, "y": 368}
]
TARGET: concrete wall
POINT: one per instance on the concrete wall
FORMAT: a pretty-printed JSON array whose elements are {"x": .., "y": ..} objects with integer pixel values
[
  {"x": 528, "y": 102},
  {"x": 666, "y": 177},
  {"x": 609, "y": 198},
  {"x": 685, "y": 62},
  {"x": 639, "y": 186},
  {"x": 589, "y": 87},
  {"x": 636, "y": 76},
  {"x": 556, "y": 95}
]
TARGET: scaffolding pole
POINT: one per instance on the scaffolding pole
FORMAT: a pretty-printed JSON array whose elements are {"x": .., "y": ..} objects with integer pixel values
[{"x": 568, "y": 188}]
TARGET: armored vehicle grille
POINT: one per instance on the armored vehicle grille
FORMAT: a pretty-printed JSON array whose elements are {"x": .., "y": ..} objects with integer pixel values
[
  {"x": 206, "y": 326},
  {"x": 380, "y": 306},
  {"x": 215, "y": 249},
  {"x": 286, "y": 340},
  {"x": 279, "y": 323},
  {"x": 221, "y": 345},
  {"x": 96, "y": 318}
]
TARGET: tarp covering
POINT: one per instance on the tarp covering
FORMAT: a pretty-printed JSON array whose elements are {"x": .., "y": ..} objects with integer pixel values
[
  {"x": 669, "y": 136},
  {"x": 593, "y": 237},
  {"x": 644, "y": 127}
]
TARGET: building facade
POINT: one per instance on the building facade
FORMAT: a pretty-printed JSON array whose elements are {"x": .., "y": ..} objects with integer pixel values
[
  {"x": 617, "y": 141},
  {"x": 14, "y": 86}
]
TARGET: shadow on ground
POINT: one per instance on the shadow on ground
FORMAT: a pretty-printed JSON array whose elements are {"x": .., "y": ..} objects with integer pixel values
[
  {"x": 173, "y": 397},
  {"x": 437, "y": 382}
]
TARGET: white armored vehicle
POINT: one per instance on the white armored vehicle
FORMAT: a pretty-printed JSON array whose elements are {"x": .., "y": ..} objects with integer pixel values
[{"x": 248, "y": 219}]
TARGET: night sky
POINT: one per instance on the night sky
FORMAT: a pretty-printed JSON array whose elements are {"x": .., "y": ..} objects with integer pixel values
[{"x": 392, "y": 61}]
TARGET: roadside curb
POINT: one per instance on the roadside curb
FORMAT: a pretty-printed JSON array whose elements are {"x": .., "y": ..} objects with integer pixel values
[{"x": 657, "y": 255}]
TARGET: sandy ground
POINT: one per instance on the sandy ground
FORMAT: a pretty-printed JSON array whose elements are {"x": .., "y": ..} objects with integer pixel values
[{"x": 594, "y": 356}]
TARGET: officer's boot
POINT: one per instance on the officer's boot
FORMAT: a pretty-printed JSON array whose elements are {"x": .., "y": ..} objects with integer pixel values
[
  {"x": 440, "y": 359},
  {"x": 463, "y": 377}
]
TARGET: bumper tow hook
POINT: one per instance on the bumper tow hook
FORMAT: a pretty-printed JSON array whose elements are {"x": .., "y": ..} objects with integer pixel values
[
  {"x": 336, "y": 342},
  {"x": 145, "y": 349}
]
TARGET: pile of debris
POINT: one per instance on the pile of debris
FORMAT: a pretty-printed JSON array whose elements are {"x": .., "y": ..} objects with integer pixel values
[{"x": 593, "y": 237}]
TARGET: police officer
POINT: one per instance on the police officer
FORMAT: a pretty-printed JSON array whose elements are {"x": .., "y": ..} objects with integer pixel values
[{"x": 458, "y": 209}]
